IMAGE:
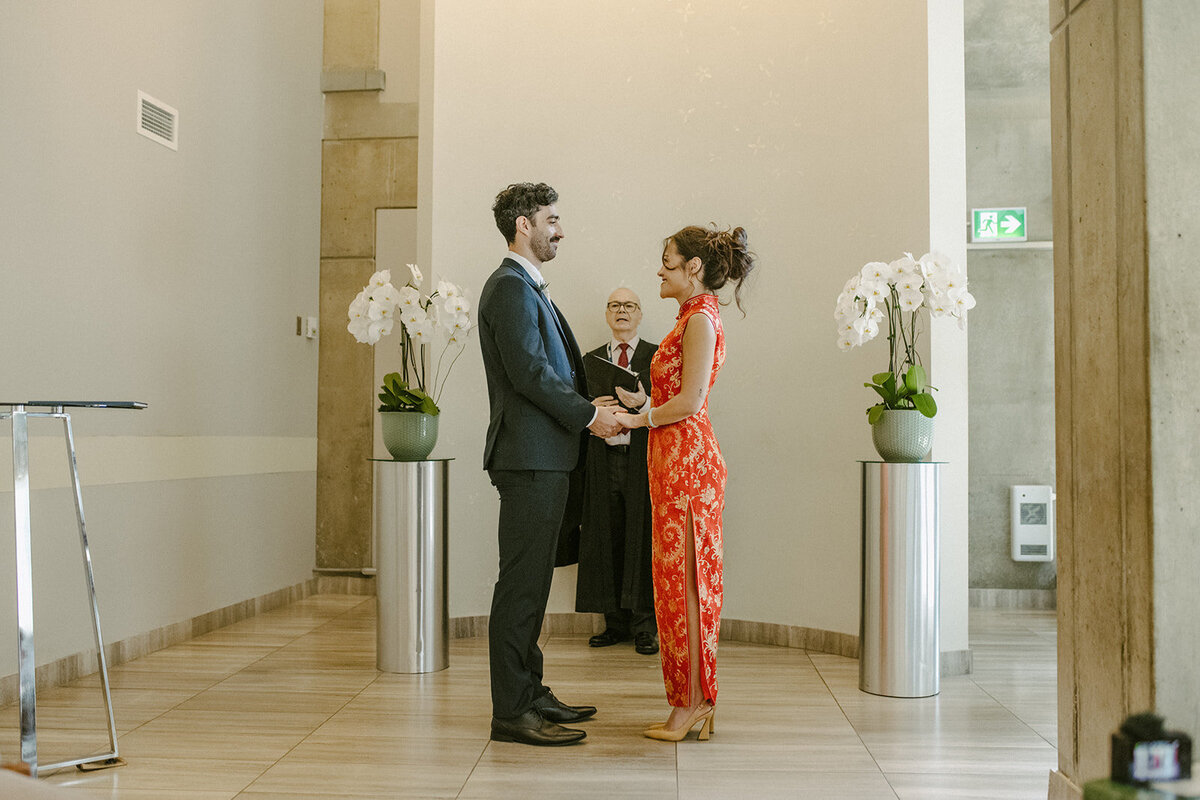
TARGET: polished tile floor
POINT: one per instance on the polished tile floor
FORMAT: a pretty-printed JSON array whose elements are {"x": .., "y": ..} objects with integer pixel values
[{"x": 289, "y": 705}]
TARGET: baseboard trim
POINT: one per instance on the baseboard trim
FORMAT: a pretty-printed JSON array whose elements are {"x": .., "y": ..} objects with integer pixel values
[
  {"x": 1039, "y": 599},
  {"x": 956, "y": 662},
  {"x": 1062, "y": 788},
  {"x": 732, "y": 630},
  {"x": 79, "y": 665},
  {"x": 361, "y": 585},
  {"x": 795, "y": 636}
]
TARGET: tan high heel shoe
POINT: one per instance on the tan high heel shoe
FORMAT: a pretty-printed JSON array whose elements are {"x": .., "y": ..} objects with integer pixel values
[
  {"x": 712, "y": 723},
  {"x": 703, "y": 713}
]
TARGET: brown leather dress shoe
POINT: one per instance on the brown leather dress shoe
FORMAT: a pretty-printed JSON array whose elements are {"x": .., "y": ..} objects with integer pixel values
[
  {"x": 531, "y": 728},
  {"x": 555, "y": 710}
]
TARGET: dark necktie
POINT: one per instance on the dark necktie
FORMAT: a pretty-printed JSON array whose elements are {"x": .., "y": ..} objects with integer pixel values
[{"x": 623, "y": 359}]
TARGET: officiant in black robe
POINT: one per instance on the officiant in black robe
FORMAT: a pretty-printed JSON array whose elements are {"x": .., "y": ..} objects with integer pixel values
[{"x": 614, "y": 543}]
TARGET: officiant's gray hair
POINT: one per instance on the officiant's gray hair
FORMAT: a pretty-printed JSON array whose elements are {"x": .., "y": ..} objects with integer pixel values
[{"x": 520, "y": 200}]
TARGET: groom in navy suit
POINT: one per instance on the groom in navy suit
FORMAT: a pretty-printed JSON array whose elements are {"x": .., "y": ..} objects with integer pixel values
[{"x": 539, "y": 419}]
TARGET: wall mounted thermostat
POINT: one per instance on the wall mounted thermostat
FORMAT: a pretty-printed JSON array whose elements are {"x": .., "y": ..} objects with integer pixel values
[{"x": 1032, "y": 514}]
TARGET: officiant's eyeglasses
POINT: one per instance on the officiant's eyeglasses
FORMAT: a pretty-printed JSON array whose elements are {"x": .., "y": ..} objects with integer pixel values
[{"x": 617, "y": 307}]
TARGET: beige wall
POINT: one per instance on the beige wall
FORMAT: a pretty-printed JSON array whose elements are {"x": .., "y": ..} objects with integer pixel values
[
  {"x": 131, "y": 271},
  {"x": 807, "y": 124},
  {"x": 645, "y": 118}
]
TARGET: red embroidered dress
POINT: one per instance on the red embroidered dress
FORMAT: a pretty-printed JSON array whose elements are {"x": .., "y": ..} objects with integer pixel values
[{"x": 686, "y": 471}]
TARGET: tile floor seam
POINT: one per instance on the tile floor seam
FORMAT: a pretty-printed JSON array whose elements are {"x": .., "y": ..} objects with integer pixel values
[
  {"x": 488, "y": 744},
  {"x": 849, "y": 722},
  {"x": 678, "y": 782},
  {"x": 241, "y": 670},
  {"x": 1014, "y": 715},
  {"x": 316, "y": 727},
  {"x": 274, "y": 651},
  {"x": 474, "y": 766},
  {"x": 306, "y": 737}
]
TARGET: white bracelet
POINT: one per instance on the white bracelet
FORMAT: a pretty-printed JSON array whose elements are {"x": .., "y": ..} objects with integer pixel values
[{"x": 649, "y": 418}]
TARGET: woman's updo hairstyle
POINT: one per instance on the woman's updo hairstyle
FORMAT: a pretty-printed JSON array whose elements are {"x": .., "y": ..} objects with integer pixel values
[{"x": 724, "y": 256}]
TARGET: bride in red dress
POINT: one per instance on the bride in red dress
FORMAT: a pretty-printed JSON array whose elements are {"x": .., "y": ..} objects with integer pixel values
[{"x": 687, "y": 472}]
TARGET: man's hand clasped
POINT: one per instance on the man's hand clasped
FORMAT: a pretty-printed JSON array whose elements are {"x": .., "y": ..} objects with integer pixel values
[
  {"x": 621, "y": 417},
  {"x": 605, "y": 424}
]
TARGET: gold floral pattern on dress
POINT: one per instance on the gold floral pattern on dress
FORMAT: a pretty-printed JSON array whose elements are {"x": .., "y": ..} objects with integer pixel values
[{"x": 687, "y": 477}]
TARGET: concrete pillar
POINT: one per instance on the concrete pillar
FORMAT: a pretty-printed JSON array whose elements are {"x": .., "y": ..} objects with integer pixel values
[
  {"x": 1171, "y": 29},
  {"x": 368, "y": 162},
  {"x": 1124, "y": 78}
]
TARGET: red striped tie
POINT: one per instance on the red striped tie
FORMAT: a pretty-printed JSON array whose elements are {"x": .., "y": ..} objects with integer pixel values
[{"x": 623, "y": 359}]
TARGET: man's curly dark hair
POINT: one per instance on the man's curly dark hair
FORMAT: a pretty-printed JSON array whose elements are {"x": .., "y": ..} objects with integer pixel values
[{"x": 520, "y": 200}]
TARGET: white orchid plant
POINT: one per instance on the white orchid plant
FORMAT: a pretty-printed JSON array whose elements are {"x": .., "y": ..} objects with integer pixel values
[
  {"x": 893, "y": 294},
  {"x": 441, "y": 317}
]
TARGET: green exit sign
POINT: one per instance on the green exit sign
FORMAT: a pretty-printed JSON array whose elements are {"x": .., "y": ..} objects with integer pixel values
[{"x": 998, "y": 225}]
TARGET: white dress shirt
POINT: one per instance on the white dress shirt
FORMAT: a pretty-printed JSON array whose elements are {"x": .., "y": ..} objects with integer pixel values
[{"x": 533, "y": 271}]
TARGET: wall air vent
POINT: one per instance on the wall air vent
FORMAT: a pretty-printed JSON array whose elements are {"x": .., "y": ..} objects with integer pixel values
[
  {"x": 158, "y": 121},
  {"x": 1032, "y": 523}
]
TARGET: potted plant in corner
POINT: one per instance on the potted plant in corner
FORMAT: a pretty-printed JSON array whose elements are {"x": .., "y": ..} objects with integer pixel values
[
  {"x": 408, "y": 399},
  {"x": 893, "y": 294}
]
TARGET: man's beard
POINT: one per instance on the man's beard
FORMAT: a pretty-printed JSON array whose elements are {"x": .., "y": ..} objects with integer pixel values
[{"x": 542, "y": 248}]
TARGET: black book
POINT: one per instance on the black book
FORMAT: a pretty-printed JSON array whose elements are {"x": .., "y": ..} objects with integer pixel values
[{"x": 603, "y": 376}]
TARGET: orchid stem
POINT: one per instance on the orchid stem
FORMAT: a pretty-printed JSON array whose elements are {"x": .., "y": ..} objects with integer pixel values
[{"x": 437, "y": 399}]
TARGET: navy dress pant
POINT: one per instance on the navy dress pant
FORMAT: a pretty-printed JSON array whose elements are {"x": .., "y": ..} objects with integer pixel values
[{"x": 532, "y": 503}]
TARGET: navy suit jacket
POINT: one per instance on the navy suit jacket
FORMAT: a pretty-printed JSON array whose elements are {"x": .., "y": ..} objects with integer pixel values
[{"x": 535, "y": 378}]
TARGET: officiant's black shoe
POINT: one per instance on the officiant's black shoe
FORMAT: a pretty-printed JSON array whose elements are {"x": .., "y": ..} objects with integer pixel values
[
  {"x": 532, "y": 728},
  {"x": 645, "y": 643},
  {"x": 556, "y": 710},
  {"x": 609, "y": 637}
]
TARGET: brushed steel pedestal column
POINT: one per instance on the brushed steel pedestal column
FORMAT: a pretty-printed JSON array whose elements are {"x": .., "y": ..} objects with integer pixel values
[
  {"x": 411, "y": 520},
  {"x": 898, "y": 635}
]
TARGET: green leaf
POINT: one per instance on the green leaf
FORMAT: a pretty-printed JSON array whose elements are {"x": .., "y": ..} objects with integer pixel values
[
  {"x": 888, "y": 397},
  {"x": 925, "y": 403},
  {"x": 878, "y": 389},
  {"x": 880, "y": 377},
  {"x": 915, "y": 378},
  {"x": 397, "y": 395},
  {"x": 393, "y": 382},
  {"x": 874, "y": 414}
]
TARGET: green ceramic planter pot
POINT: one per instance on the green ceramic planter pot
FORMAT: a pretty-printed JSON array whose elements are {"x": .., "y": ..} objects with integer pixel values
[
  {"x": 409, "y": 435},
  {"x": 903, "y": 435}
]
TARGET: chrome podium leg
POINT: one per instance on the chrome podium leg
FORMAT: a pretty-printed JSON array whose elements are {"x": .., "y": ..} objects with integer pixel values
[
  {"x": 91, "y": 587},
  {"x": 25, "y": 663}
]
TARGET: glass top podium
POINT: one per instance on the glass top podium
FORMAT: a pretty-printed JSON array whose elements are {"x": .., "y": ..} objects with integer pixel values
[{"x": 20, "y": 413}]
